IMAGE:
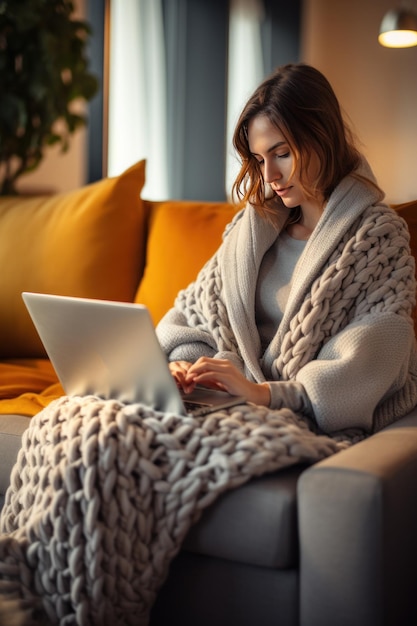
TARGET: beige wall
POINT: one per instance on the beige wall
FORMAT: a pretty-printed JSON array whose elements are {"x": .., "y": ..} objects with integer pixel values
[
  {"x": 377, "y": 86},
  {"x": 58, "y": 172}
]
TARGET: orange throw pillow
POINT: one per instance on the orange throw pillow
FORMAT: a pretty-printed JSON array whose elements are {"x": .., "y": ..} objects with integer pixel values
[{"x": 183, "y": 236}]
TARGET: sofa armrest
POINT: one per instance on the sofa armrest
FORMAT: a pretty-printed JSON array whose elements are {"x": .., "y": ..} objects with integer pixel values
[{"x": 358, "y": 532}]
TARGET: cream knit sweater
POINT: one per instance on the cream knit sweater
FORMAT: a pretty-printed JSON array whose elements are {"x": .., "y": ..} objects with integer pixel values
[{"x": 345, "y": 351}]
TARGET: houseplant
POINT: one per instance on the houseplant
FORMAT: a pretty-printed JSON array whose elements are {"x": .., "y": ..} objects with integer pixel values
[{"x": 44, "y": 77}]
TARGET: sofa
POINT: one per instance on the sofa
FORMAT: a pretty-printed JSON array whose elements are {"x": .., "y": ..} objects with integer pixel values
[{"x": 333, "y": 543}]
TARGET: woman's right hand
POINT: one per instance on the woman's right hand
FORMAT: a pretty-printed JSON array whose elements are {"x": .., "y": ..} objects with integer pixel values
[{"x": 179, "y": 371}]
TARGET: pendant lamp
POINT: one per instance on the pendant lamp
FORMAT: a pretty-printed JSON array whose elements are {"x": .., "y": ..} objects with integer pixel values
[{"x": 398, "y": 29}]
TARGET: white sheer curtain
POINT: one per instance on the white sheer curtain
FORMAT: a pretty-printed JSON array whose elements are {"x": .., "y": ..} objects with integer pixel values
[
  {"x": 137, "y": 118},
  {"x": 245, "y": 69},
  {"x": 137, "y": 92}
]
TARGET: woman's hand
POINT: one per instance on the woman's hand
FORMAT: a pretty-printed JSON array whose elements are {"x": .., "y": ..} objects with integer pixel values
[
  {"x": 179, "y": 371},
  {"x": 220, "y": 374}
]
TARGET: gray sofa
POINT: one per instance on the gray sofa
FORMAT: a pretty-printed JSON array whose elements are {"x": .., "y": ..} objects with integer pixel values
[{"x": 334, "y": 544}]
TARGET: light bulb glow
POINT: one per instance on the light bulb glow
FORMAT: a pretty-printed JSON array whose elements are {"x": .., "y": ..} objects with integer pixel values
[{"x": 398, "y": 38}]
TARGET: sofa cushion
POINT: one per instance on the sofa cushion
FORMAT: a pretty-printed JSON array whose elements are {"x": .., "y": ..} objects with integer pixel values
[
  {"x": 88, "y": 243},
  {"x": 255, "y": 524},
  {"x": 182, "y": 237},
  {"x": 11, "y": 430}
]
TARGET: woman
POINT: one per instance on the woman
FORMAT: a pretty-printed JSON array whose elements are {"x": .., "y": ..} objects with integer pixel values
[{"x": 307, "y": 304}]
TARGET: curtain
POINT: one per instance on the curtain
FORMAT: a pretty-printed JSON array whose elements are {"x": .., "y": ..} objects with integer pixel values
[
  {"x": 180, "y": 73},
  {"x": 196, "y": 43},
  {"x": 245, "y": 69},
  {"x": 137, "y": 126}
]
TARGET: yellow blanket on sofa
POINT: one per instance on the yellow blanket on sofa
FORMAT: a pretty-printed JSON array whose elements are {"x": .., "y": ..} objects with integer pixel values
[{"x": 20, "y": 375}]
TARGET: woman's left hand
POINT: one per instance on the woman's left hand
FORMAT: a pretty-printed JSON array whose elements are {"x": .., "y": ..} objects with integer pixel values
[{"x": 222, "y": 374}]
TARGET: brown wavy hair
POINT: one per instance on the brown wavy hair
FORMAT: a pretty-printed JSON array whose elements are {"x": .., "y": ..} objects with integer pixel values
[{"x": 300, "y": 102}]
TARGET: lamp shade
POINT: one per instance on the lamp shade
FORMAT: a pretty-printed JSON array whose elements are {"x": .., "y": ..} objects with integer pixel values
[{"x": 398, "y": 29}]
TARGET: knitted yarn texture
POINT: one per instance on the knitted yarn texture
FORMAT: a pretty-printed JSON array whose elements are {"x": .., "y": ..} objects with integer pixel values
[
  {"x": 103, "y": 494},
  {"x": 350, "y": 273},
  {"x": 369, "y": 270}
]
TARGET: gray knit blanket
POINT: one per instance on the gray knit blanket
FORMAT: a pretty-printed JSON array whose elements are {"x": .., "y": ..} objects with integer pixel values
[
  {"x": 103, "y": 494},
  {"x": 353, "y": 287}
]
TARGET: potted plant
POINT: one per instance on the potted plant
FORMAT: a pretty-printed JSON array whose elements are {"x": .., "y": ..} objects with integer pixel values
[{"x": 44, "y": 76}]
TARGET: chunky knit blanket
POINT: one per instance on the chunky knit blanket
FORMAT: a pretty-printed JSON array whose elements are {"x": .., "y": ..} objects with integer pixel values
[
  {"x": 350, "y": 304},
  {"x": 103, "y": 494}
]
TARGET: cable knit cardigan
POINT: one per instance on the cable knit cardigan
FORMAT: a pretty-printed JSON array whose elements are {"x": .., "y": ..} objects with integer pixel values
[{"x": 345, "y": 351}]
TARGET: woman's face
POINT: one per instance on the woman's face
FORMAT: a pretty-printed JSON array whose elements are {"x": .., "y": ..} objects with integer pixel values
[{"x": 269, "y": 147}]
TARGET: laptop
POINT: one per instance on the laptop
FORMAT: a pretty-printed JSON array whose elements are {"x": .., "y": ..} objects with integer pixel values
[{"x": 110, "y": 350}]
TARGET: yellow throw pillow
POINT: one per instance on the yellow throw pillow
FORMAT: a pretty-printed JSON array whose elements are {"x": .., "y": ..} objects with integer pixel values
[
  {"x": 183, "y": 236},
  {"x": 89, "y": 243}
]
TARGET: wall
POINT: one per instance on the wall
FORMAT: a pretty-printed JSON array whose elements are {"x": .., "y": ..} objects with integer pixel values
[
  {"x": 58, "y": 171},
  {"x": 376, "y": 86}
]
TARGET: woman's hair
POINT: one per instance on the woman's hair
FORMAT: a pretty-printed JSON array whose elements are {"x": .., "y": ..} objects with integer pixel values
[{"x": 300, "y": 102}]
